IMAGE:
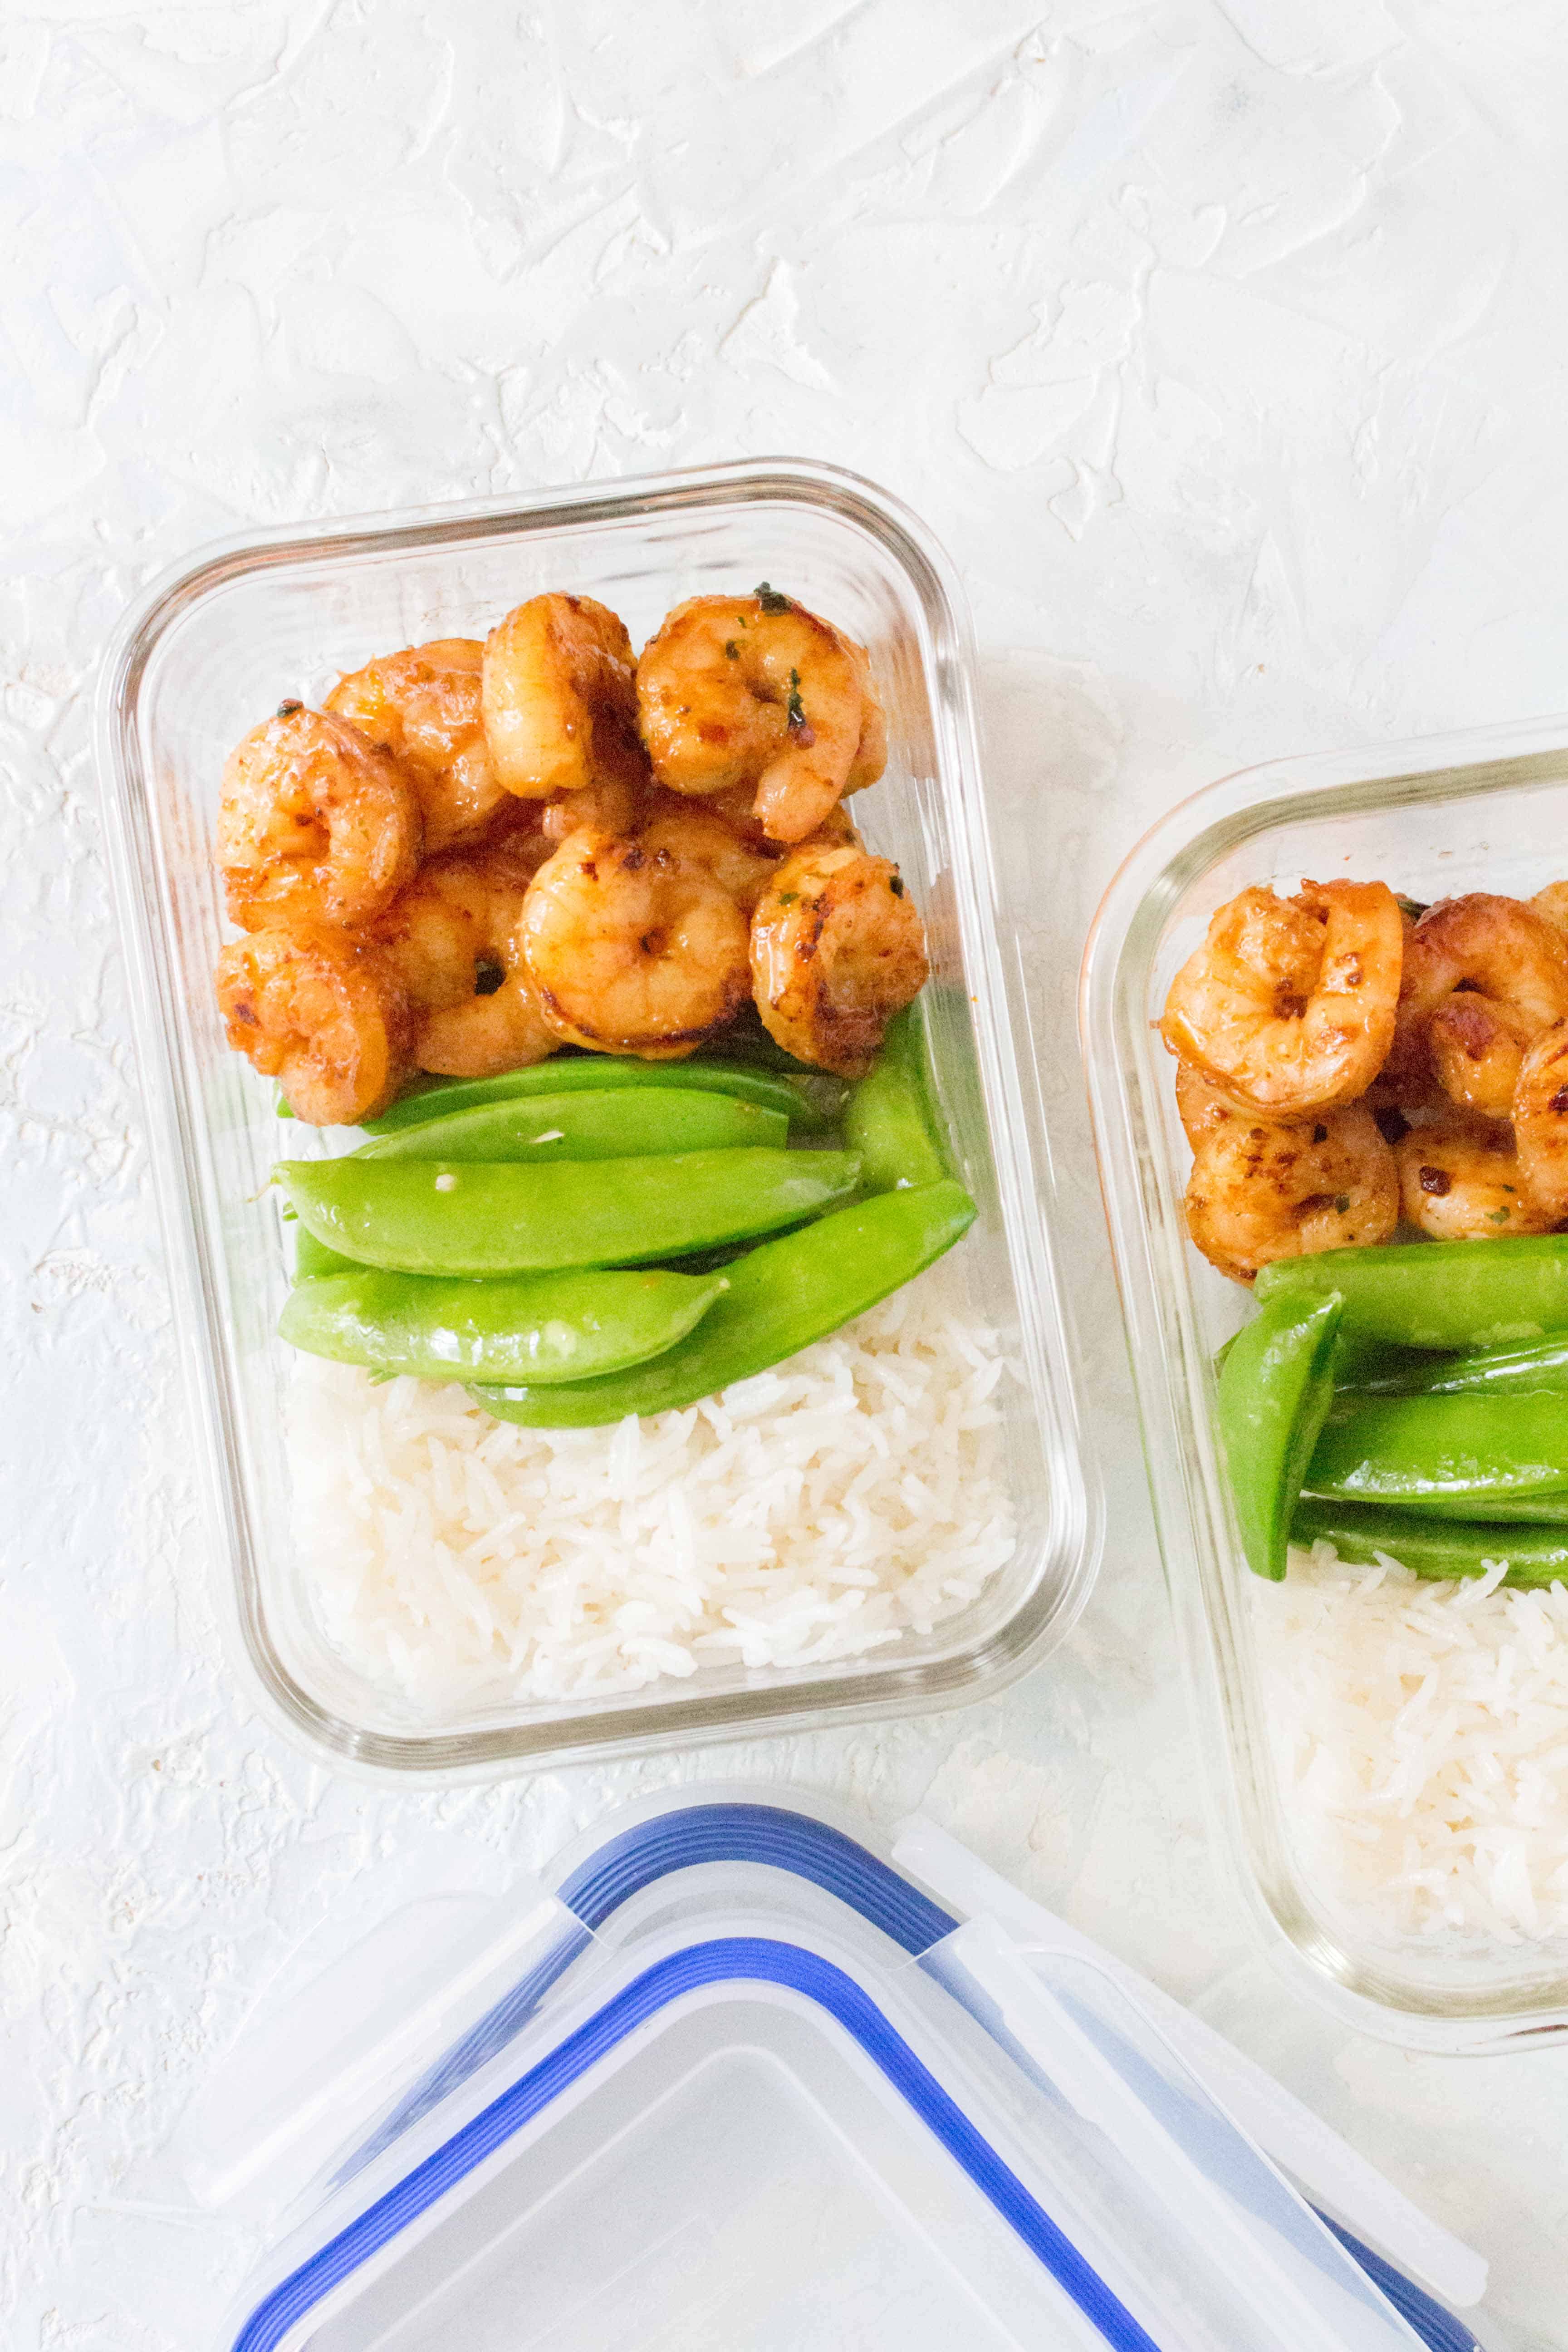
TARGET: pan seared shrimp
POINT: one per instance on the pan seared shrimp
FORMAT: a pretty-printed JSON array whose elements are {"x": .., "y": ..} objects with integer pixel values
[
  {"x": 316, "y": 824},
  {"x": 756, "y": 691},
  {"x": 633, "y": 947},
  {"x": 560, "y": 699},
  {"x": 1259, "y": 1190},
  {"x": 1460, "y": 1181},
  {"x": 452, "y": 941},
  {"x": 613, "y": 805},
  {"x": 1541, "y": 1122},
  {"x": 1288, "y": 1007},
  {"x": 1200, "y": 1107},
  {"x": 836, "y": 950},
  {"x": 422, "y": 706},
  {"x": 321, "y": 1012},
  {"x": 1483, "y": 977}
]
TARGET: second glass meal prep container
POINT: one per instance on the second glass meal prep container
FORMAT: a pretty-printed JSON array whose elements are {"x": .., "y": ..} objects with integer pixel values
[
  {"x": 209, "y": 653},
  {"x": 1474, "y": 812}
]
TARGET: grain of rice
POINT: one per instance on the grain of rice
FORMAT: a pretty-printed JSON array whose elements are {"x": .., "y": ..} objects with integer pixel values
[{"x": 827, "y": 1509}]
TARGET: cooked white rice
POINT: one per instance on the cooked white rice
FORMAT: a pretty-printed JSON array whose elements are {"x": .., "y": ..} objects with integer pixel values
[
  {"x": 851, "y": 1497},
  {"x": 1421, "y": 1735}
]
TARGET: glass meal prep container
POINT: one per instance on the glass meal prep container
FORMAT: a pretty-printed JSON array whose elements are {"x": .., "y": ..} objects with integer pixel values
[
  {"x": 209, "y": 653},
  {"x": 1473, "y": 812}
]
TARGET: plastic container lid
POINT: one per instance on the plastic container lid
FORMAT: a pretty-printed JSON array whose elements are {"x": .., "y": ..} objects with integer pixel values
[{"x": 738, "y": 2084}]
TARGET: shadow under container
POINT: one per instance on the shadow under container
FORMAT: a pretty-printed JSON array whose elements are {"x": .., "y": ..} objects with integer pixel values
[
  {"x": 212, "y": 650},
  {"x": 1482, "y": 811}
]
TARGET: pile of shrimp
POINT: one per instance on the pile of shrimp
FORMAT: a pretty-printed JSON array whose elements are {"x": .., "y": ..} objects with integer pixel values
[
  {"x": 1348, "y": 1060},
  {"x": 475, "y": 853}
]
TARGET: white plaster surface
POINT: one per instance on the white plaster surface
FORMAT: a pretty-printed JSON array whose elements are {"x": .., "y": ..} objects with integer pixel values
[{"x": 1223, "y": 341}]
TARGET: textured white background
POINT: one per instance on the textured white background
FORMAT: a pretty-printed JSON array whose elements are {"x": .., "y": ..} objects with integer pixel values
[{"x": 1225, "y": 346}]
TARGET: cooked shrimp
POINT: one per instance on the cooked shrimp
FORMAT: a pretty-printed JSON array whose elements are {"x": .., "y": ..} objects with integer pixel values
[
  {"x": 613, "y": 805},
  {"x": 1460, "y": 1181},
  {"x": 1200, "y": 1107},
  {"x": 1259, "y": 1190},
  {"x": 322, "y": 1013},
  {"x": 422, "y": 706},
  {"x": 560, "y": 698},
  {"x": 756, "y": 691},
  {"x": 838, "y": 948},
  {"x": 633, "y": 947},
  {"x": 1288, "y": 1007},
  {"x": 316, "y": 824},
  {"x": 1552, "y": 902},
  {"x": 1541, "y": 1122},
  {"x": 736, "y": 855},
  {"x": 451, "y": 938},
  {"x": 1483, "y": 977}
]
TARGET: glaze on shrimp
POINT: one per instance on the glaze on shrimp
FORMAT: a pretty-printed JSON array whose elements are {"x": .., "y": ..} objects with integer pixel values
[
  {"x": 1483, "y": 977},
  {"x": 836, "y": 948},
  {"x": 1259, "y": 1190},
  {"x": 1541, "y": 1122},
  {"x": 756, "y": 692},
  {"x": 1460, "y": 1181},
  {"x": 633, "y": 948},
  {"x": 1288, "y": 1006},
  {"x": 315, "y": 826},
  {"x": 452, "y": 939},
  {"x": 558, "y": 696},
  {"x": 422, "y": 706},
  {"x": 324, "y": 1015}
]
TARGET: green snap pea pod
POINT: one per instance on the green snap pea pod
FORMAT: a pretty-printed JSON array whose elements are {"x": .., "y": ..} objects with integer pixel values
[
  {"x": 1438, "y": 1294},
  {"x": 524, "y": 1327},
  {"x": 597, "y": 1123},
  {"x": 889, "y": 1120},
  {"x": 1398, "y": 1449},
  {"x": 1489, "y": 1371},
  {"x": 811, "y": 1100},
  {"x": 1433, "y": 1547},
  {"x": 1549, "y": 1509},
  {"x": 314, "y": 1258},
  {"x": 481, "y": 1217},
  {"x": 782, "y": 1297},
  {"x": 1274, "y": 1388}
]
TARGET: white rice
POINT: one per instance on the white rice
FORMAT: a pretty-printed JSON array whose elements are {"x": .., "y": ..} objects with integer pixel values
[
  {"x": 1420, "y": 1731},
  {"x": 850, "y": 1497}
]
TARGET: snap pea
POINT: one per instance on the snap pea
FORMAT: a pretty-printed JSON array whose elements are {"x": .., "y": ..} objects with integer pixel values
[
  {"x": 1490, "y": 1371},
  {"x": 811, "y": 1100},
  {"x": 1360, "y": 1532},
  {"x": 1437, "y": 1294},
  {"x": 312, "y": 1258},
  {"x": 782, "y": 1297},
  {"x": 888, "y": 1119},
  {"x": 421, "y": 1216},
  {"x": 1398, "y": 1449},
  {"x": 1549, "y": 1509},
  {"x": 534, "y": 1326},
  {"x": 1274, "y": 1388},
  {"x": 596, "y": 1123}
]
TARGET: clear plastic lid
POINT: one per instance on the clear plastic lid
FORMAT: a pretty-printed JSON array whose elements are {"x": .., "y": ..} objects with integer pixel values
[{"x": 738, "y": 2082}]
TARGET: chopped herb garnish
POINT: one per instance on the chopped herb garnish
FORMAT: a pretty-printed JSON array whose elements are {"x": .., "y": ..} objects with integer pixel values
[
  {"x": 731, "y": 649},
  {"x": 770, "y": 599},
  {"x": 796, "y": 707},
  {"x": 287, "y": 709},
  {"x": 897, "y": 886},
  {"x": 788, "y": 898},
  {"x": 488, "y": 976},
  {"x": 1342, "y": 1203},
  {"x": 1499, "y": 1216}
]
